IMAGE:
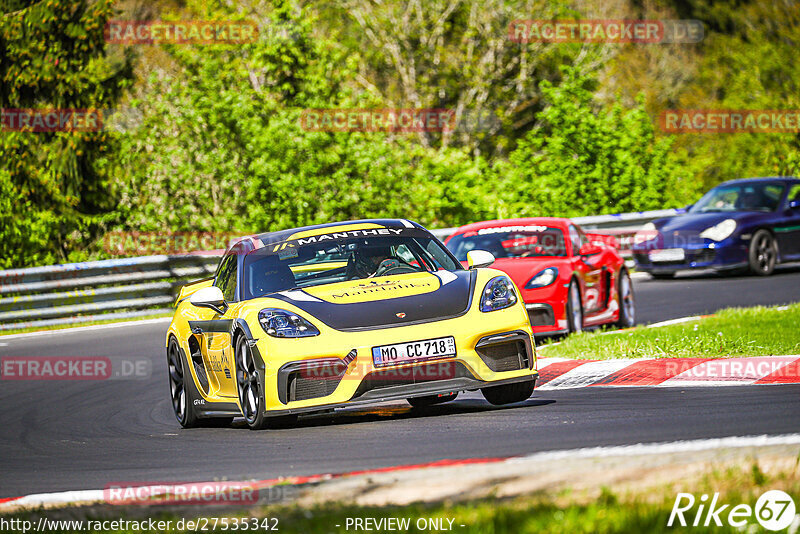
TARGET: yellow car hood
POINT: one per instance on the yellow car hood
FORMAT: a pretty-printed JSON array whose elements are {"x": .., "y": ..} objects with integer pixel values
[
  {"x": 387, "y": 300},
  {"x": 374, "y": 289}
]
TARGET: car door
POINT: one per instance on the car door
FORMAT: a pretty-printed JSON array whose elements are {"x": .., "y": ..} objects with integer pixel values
[
  {"x": 589, "y": 269},
  {"x": 213, "y": 333},
  {"x": 787, "y": 231}
]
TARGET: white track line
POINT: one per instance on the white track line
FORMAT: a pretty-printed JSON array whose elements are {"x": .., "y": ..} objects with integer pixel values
[
  {"x": 89, "y": 328},
  {"x": 665, "y": 447}
]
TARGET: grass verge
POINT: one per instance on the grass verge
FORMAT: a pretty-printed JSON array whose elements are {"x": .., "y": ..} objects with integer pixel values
[{"x": 758, "y": 331}]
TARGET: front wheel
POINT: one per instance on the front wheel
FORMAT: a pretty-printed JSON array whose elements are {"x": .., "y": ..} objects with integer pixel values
[
  {"x": 509, "y": 393},
  {"x": 763, "y": 253},
  {"x": 627, "y": 307},
  {"x": 181, "y": 407},
  {"x": 574, "y": 309},
  {"x": 251, "y": 397}
]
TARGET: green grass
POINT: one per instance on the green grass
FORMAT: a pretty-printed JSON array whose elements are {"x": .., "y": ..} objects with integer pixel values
[
  {"x": 645, "y": 509},
  {"x": 77, "y": 325},
  {"x": 757, "y": 331}
]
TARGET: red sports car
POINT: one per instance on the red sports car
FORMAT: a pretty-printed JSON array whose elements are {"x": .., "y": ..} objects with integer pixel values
[{"x": 569, "y": 279}]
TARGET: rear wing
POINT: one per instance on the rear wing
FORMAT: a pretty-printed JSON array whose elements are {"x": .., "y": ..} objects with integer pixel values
[{"x": 192, "y": 287}]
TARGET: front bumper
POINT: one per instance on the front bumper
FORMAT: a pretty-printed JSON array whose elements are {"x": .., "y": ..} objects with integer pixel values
[
  {"x": 717, "y": 256},
  {"x": 393, "y": 393},
  {"x": 547, "y": 308},
  {"x": 336, "y": 369}
]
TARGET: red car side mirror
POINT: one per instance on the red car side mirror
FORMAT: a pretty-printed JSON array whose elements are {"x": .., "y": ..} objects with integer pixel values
[{"x": 589, "y": 249}]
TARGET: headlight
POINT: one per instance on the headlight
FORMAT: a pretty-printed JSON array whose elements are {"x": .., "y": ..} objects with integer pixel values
[
  {"x": 720, "y": 231},
  {"x": 543, "y": 278},
  {"x": 645, "y": 233},
  {"x": 499, "y": 293},
  {"x": 282, "y": 323}
]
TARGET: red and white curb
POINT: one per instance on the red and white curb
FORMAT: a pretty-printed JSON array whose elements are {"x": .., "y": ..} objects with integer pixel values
[
  {"x": 86, "y": 497},
  {"x": 561, "y": 373},
  {"x": 65, "y": 498}
]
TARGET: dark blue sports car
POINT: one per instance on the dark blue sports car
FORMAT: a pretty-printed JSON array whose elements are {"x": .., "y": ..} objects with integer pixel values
[{"x": 740, "y": 225}]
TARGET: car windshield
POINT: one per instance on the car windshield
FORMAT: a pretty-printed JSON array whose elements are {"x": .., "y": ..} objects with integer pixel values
[
  {"x": 740, "y": 197},
  {"x": 510, "y": 242},
  {"x": 326, "y": 258}
]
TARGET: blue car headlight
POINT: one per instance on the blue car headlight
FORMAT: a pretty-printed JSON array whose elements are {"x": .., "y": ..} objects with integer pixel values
[
  {"x": 721, "y": 231},
  {"x": 282, "y": 323},
  {"x": 499, "y": 293},
  {"x": 543, "y": 278}
]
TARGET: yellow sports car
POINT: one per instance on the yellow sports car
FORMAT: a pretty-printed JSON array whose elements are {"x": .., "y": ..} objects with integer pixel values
[{"x": 342, "y": 314}]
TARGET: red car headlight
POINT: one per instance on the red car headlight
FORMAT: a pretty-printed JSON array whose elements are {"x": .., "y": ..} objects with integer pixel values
[{"x": 543, "y": 278}]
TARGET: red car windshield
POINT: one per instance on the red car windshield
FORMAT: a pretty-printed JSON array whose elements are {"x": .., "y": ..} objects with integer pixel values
[{"x": 510, "y": 242}]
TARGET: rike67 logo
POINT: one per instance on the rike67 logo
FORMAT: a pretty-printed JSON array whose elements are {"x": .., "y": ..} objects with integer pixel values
[{"x": 774, "y": 510}]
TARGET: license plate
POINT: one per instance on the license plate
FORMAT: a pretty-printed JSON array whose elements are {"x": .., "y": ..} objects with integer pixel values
[
  {"x": 668, "y": 254},
  {"x": 414, "y": 351}
]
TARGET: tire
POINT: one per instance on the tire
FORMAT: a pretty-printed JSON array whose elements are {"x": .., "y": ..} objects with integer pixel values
[
  {"x": 182, "y": 406},
  {"x": 663, "y": 276},
  {"x": 251, "y": 398},
  {"x": 248, "y": 388},
  {"x": 431, "y": 400},
  {"x": 574, "y": 309},
  {"x": 763, "y": 253},
  {"x": 510, "y": 393},
  {"x": 627, "y": 305}
]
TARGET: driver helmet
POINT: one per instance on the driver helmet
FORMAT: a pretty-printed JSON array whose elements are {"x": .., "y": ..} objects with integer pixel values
[{"x": 367, "y": 258}]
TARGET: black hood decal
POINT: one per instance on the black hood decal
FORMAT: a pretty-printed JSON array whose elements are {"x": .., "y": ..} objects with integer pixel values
[{"x": 450, "y": 300}]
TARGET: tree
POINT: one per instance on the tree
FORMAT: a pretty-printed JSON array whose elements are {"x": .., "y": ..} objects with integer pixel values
[
  {"x": 222, "y": 147},
  {"x": 581, "y": 160},
  {"x": 458, "y": 55},
  {"x": 53, "y": 57}
]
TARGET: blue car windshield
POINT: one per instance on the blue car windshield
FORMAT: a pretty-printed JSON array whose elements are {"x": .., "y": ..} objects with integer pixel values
[{"x": 741, "y": 197}]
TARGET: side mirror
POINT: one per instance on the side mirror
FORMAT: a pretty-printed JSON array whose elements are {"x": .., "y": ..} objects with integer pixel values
[
  {"x": 794, "y": 205},
  {"x": 209, "y": 297},
  {"x": 479, "y": 258},
  {"x": 588, "y": 250},
  {"x": 688, "y": 207}
]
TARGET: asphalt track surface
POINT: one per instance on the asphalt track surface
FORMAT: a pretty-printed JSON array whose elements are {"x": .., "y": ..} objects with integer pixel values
[{"x": 57, "y": 436}]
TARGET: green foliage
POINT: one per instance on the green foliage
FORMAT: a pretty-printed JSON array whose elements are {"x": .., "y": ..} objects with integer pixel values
[
  {"x": 55, "y": 184},
  {"x": 580, "y": 160},
  {"x": 746, "y": 61},
  {"x": 220, "y": 147},
  {"x": 455, "y": 55}
]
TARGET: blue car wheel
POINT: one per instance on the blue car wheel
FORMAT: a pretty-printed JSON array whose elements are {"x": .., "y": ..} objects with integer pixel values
[{"x": 763, "y": 253}]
